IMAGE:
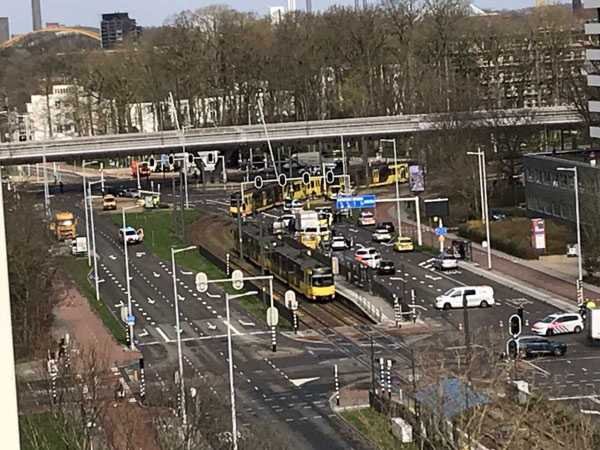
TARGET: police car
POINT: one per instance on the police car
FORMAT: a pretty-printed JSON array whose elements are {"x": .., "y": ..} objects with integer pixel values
[{"x": 558, "y": 324}]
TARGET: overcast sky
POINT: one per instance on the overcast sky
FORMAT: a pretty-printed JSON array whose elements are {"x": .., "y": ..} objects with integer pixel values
[{"x": 154, "y": 12}]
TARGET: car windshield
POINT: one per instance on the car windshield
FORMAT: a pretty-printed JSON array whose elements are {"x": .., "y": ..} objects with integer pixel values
[
  {"x": 367, "y": 215},
  {"x": 449, "y": 292},
  {"x": 339, "y": 238},
  {"x": 130, "y": 233},
  {"x": 548, "y": 319}
]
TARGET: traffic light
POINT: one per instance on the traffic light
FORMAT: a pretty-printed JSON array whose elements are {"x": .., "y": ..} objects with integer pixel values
[
  {"x": 190, "y": 158},
  {"x": 514, "y": 325},
  {"x": 171, "y": 160}
]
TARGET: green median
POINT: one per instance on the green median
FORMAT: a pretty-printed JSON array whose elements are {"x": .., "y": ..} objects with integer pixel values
[
  {"x": 43, "y": 432},
  {"x": 77, "y": 269},
  {"x": 160, "y": 236}
]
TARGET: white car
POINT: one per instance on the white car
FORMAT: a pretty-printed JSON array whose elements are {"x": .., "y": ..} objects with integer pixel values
[
  {"x": 286, "y": 219},
  {"x": 445, "y": 261},
  {"x": 368, "y": 256},
  {"x": 382, "y": 235},
  {"x": 559, "y": 324},
  {"x": 476, "y": 296},
  {"x": 366, "y": 219},
  {"x": 339, "y": 243},
  {"x": 131, "y": 235}
]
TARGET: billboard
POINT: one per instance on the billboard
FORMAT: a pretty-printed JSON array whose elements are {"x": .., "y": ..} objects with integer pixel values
[
  {"x": 416, "y": 178},
  {"x": 538, "y": 234}
]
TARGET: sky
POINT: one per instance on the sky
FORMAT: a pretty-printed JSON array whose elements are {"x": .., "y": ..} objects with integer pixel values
[{"x": 88, "y": 12}]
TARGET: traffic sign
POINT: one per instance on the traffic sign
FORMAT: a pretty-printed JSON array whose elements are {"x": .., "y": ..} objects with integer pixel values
[
  {"x": 258, "y": 182},
  {"x": 441, "y": 231},
  {"x": 356, "y": 202},
  {"x": 290, "y": 300},
  {"x": 201, "y": 282},
  {"x": 306, "y": 178},
  {"x": 329, "y": 177},
  {"x": 237, "y": 278},
  {"x": 272, "y": 316},
  {"x": 282, "y": 180},
  {"x": 152, "y": 163},
  {"x": 131, "y": 319}
]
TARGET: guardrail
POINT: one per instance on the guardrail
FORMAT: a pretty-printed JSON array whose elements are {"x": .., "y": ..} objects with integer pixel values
[{"x": 168, "y": 141}]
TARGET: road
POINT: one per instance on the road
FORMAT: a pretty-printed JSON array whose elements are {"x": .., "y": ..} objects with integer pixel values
[{"x": 272, "y": 387}]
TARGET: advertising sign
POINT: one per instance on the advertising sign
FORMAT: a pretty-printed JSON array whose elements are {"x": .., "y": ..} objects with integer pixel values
[
  {"x": 416, "y": 178},
  {"x": 538, "y": 234}
]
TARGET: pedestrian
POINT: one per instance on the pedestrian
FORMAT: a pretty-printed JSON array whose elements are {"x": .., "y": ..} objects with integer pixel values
[{"x": 61, "y": 187}]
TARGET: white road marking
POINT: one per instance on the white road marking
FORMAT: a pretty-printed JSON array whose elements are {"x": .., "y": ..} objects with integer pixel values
[{"x": 163, "y": 335}]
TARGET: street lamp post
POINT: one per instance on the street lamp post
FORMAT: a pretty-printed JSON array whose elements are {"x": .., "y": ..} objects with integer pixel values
[
  {"x": 484, "y": 205},
  {"x": 578, "y": 224},
  {"x": 230, "y": 358},
  {"x": 85, "y": 204},
  {"x": 178, "y": 331},
  {"x": 97, "y": 283},
  {"x": 127, "y": 280},
  {"x": 398, "y": 218}
]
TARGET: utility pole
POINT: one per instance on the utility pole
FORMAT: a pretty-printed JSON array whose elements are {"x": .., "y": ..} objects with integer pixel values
[{"x": 239, "y": 223}]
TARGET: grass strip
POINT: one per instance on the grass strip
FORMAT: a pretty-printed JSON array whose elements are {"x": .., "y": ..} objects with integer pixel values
[
  {"x": 160, "y": 236},
  {"x": 77, "y": 270},
  {"x": 376, "y": 427}
]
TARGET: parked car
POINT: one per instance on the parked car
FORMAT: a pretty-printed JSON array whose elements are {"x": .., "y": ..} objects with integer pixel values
[
  {"x": 287, "y": 220},
  {"x": 558, "y": 324},
  {"x": 477, "y": 296},
  {"x": 404, "y": 244},
  {"x": 530, "y": 346},
  {"x": 386, "y": 268},
  {"x": 293, "y": 205},
  {"x": 366, "y": 219},
  {"x": 445, "y": 261},
  {"x": 368, "y": 256},
  {"x": 382, "y": 235},
  {"x": 339, "y": 243}
]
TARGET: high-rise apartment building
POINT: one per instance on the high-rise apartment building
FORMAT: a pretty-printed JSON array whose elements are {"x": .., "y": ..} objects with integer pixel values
[
  {"x": 277, "y": 13},
  {"x": 116, "y": 27},
  {"x": 36, "y": 14},
  {"x": 4, "y": 29},
  {"x": 291, "y": 5},
  {"x": 309, "y": 6},
  {"x": 593, "y": 55}
]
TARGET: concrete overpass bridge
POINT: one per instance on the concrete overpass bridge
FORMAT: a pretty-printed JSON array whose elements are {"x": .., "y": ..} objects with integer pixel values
[{"x": 222, "y": 138}]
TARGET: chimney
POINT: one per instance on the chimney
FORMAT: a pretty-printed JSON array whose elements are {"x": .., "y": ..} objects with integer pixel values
[{"x": 36, "y": 14}]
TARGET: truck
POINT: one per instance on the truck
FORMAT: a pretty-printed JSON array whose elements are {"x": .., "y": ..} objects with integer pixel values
[
  {"x": 64, "y": 225},
  {"x": 308, "y": 228},
  {"x": 79, "y": 246},
  {"x": 592, "y": 323}
]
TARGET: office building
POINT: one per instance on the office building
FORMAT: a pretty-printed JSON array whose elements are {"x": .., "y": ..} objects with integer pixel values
[
  {"x": 36, "y": 14},
  {"x": 309, "y": 6},
  {"x": 116, "y": 27},
  {"x": 4, "y": 29},
  {"x": 539, "y": 3},
  {"x": 551, "y": 193},
  {"x": 291, "y": 5}
]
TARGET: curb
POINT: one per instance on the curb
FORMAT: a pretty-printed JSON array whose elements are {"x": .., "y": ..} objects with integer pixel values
[{"x": 559, "y": 302}]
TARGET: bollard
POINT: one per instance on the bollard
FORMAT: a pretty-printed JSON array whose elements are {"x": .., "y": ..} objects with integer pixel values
[
  {"x": 142, "y": 381},
  {"x": 337, "y": 385},
  {"x": 389, "y": 378},
  {"x": 460, "y": 326},
  {"x": 382, "y": 375},
  {"x": 295, "y": 315},
  {"x": 228, "y": 265},
  {"x": 527, "y": 322},
  {"x": 274, "y": 339}
]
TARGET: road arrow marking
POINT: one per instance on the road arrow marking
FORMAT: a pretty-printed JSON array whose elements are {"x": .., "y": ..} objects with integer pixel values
[
  {"x": 211, "y": 326},
  {"x": 246, "y": 324},
  {"x": 429, "y": 277},
  {"x": 113, "y": 257},
  {"x": 300, "y": 381},
  {"x": 140, "y": 254},
  {"x": 213, "y": 295},
  {"x": 185, "y": 273},
  {"x": 156, "y": 275},
  {"x": 152, "y": 302}
]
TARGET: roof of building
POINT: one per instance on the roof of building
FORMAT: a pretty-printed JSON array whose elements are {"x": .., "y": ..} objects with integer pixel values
[
  {"x": 576, "y": 156},
  {"x": 450, "y": 397}
]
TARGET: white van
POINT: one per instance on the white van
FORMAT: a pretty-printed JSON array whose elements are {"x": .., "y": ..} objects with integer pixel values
[{"x": 482, "y": 296}]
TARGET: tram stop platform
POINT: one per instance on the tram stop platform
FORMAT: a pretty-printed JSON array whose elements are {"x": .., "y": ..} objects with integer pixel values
[{"x": 376, "y": 308}]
